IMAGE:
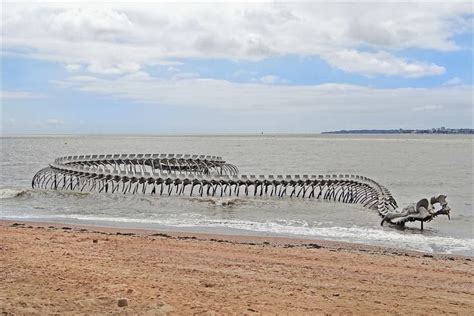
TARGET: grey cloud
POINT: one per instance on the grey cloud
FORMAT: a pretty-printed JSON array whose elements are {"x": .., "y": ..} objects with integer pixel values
[
  {"x": 254, "y": 97},
  {"x": 91, "y": 24},
  {"x": 103, "y": 36}
]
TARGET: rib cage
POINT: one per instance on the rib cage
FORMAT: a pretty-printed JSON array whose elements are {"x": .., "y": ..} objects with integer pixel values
[
  {"x": 175, "y": 174},
  {"x": 164, "y": 163}
]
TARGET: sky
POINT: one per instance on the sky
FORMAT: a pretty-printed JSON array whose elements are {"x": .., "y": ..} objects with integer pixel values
[{"x": 248, "y": 67}]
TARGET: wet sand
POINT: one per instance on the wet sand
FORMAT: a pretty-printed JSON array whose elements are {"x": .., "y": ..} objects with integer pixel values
[{"x": 63, "y": 269}]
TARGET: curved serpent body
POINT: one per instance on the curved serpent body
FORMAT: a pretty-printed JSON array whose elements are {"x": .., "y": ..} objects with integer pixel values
[{"x": 175, "y": 174}]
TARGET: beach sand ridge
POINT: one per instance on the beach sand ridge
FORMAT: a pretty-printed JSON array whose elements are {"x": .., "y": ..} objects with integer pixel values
[{"x": 58, "y": 269}]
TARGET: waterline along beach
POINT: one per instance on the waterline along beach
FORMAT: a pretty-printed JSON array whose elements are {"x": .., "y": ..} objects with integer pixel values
[
  {"x": 255, "y": 158},
  {"x": 259, "y": 215}
]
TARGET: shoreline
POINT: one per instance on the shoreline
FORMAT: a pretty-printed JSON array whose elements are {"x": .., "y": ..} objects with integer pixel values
[
  {"x": 249, "y": 239},
  {"x": 52, "y": 268}
]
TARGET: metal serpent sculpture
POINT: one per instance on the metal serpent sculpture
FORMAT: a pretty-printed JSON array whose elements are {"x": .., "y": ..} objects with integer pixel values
[{"x": 176, "y": 174}]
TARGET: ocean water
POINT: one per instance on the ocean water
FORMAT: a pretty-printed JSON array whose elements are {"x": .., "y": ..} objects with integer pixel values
[{"x": 410, "y": 166}]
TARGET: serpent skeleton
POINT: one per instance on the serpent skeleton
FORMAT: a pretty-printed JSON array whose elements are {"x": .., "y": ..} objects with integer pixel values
[{"x": 177, "y": 174}]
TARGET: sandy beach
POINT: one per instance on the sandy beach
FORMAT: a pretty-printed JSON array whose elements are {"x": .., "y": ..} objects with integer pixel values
[{"x": 63, "y": 269}]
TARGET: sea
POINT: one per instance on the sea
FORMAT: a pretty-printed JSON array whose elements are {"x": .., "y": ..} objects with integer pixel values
[{"x": 412, "y": 167}]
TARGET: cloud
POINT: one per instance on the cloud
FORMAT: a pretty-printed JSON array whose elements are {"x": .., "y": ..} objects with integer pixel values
[
  {"x": 19, "y": 95},
  {"x": 73, "y": 67},
  {"x": 453, "y": 82},
  {"x": 427, "y": 108},
  {"x": 270, "y": 79},
  {"x": 204, "y": 93},
  {"x": 114, "y": 38},
  {"x": 116, "y": 69},
  {"x": 184, "y": 75},
  {"x": 381, "y": 63},
  {"x": 54, "y": 122},
  {"x": 89, "y": 23}
]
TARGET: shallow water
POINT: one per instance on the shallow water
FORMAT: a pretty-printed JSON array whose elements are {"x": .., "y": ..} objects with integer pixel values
[{"x": 410, "y": 166}]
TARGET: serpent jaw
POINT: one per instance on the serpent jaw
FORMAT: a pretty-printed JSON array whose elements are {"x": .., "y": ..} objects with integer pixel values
[
  {"x": 423, "y": 211},
  {"x": 443, "y": 211}
]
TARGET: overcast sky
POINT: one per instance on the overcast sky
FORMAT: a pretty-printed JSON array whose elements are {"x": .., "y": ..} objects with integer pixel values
[{"x": 123, "y": 67}]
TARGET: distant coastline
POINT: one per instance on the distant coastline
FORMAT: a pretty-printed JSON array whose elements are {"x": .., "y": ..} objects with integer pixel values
[{"x": 440, "y": 130}]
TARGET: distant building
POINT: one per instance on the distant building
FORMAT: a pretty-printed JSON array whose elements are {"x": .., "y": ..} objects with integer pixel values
[{"x": 440, "y": 130}]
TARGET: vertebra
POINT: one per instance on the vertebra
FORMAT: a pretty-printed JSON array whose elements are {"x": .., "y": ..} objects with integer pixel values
[{"x": 176, "y": 174}]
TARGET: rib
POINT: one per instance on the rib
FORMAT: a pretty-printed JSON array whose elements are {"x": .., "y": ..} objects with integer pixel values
[{"x": 212, "y": 175}]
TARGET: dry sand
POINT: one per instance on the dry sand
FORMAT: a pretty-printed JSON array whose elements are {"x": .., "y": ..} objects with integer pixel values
[{"x": 53, "y": 270}]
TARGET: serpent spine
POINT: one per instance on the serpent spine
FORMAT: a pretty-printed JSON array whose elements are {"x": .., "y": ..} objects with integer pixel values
[{"x": 203, "y": 175}]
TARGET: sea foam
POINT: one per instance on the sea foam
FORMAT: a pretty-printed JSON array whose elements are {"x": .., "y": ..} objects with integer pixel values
[
  {"x": 282, "y": 227},
  {"x": 8, "y": 193}
]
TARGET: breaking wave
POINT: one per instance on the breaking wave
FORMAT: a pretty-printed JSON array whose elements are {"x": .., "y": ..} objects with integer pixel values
[
  {"x": 8, "y": 193},
  {"x": 228, "y": 201},
  {"x": 296, "y": 228}
]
